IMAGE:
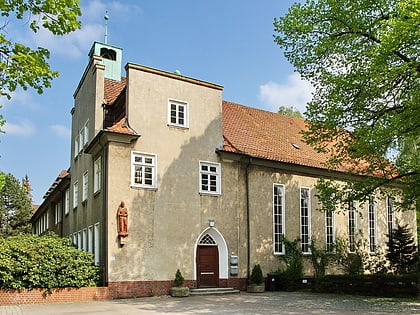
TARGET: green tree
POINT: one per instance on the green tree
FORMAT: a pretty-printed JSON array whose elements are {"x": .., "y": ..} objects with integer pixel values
[
  {"x": 15, "y": 208},
  {"x": 24, "y": 66},
  {"x": 289, "y": 111},
  {"x": 402, "y": 253},
  {"x": 362, "y": 57}
]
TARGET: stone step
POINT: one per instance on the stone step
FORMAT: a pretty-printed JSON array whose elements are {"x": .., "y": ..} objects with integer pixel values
[{"x": 213, "y": 291}]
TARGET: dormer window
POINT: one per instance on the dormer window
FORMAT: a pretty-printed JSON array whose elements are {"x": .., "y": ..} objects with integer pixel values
[{"x": 178, "y": 113}]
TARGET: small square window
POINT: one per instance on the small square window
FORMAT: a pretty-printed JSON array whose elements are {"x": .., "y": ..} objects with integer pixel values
[{"x": 178, "y": 113}]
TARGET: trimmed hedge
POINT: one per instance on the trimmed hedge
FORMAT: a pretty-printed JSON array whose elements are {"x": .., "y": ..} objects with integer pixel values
[
  {"x": 386, "y": 285},
  {"x": 29, "y": 261}
]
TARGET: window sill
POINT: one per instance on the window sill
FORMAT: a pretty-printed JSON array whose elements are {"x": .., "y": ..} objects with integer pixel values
[
  {"x": 180, "y": 127},
  {"x": 201, "y": 193},
  {"x": 143, "y": 187}
]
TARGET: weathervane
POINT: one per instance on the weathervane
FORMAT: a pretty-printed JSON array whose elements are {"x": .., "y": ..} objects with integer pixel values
[{"x": 106, "y": 18}]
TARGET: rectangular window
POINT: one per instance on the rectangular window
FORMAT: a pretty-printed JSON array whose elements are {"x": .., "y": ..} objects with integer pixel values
[
  {"x": 352, "y": 226},
  {"x": 178, "y": 113},
  {"x": 390, "y": 215},
  {"x": 210, "y": 175},
  {"x": 278, "y": 218},
  {"x": 85, "y": 184},
  {"x": 329, "y": 230},
  {"x": 85, "y": 240},
  {"x": 58, "y": 212},
  {"x": 76, "y": 146},
  {"x": 75, "y": 194},
  {"x": 96, "y": 248},
  {"x": 67, "y": 201},
  {"x": 85, "y": 133},
  {"x": 79, "y": 240},
  {"x": 143, "y": 171},
  {"x": 372, "y": 224},
  {"x": 97, "y": 168},
  {"x": 305, "y": 220},
  {"x": 90, "y": 239}
]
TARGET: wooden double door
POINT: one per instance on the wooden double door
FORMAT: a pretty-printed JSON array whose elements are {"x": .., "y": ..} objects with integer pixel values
[{"x": 207, "y": 267}]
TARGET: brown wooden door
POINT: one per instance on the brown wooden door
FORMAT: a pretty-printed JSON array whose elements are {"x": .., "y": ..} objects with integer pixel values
[{"x": 207, "y": 267}]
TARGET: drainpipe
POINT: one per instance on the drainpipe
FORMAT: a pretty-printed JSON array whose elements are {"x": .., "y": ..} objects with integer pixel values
[{"x": 248, "y": 221}]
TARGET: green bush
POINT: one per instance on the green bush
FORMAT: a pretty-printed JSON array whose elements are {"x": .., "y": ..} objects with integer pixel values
[
  {"x": 179, "y": 279},
  {"x": 29, "y": 261},
  {"x": 257, "y": 275},
  {"x": 291, "y": 275}
]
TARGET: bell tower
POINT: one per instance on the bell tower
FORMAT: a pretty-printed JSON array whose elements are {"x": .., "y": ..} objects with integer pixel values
[{"x": 111, "y": 59}]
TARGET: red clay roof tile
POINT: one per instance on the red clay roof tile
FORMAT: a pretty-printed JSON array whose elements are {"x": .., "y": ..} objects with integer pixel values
[{"x": 112, "y": 89}]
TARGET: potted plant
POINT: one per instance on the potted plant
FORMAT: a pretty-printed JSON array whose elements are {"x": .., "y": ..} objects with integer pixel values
[
  {"x": 179, "y": 290},
  {"x": 257, "y": 280}
]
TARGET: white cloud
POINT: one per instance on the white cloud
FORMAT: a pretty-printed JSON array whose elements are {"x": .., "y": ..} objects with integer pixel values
[
  {"x": 294, "y": 93},
  {"x": 61, "y": 130},
  {"x": 21, "y": 98},
  {"x": 23, "y": 128}
]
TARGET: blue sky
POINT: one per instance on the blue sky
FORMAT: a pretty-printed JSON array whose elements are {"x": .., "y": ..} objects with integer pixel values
[{"x": 224, "y": 42}]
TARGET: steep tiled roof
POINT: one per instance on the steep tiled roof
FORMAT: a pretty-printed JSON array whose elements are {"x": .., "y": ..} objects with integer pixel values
[
  {"x": 267, "y": 135},
  {"x": 63, "y": 174},
  {"x": 112, "y": 89}
]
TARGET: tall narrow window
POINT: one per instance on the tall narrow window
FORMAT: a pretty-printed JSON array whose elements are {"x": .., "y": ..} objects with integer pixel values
[
  {"x": 352, "y": 226},
  {"x": 143, "y": 171},
  {"x": 278, "y": 218},
  {"x": 209, "y": 178},
  {"x": 67, "y": 201},
  {"x": 75, "y": 194},
  {"x": 329, "y": 230},
  {"x": 85, "y": 186},
  {"x": 97, "y": 168},
  {"x": 58, "y": 212},
  {"x": 90, "y": 239},
  {"x": 96, "y": 248},
  {"x": 76, "y": 146},
  {"x": 390, "y": 215},
  {"x": 86, "y": 133},
  {"x": 85, "y": 240},
  {"x": 305, "y": 220},
  {"x": 372, "y": 224},
  {"x": 178, "y": 113}
]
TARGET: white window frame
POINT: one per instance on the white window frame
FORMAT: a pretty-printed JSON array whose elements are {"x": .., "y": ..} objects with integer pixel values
[
  {"x": 75, "y": 194},
  {"x": 85, "y": 186},
  {"x": 139, "y": 170},
  {"x": 178, "y": 106},
  {"x": 97, "y": 175},
  {"x": 58, "y": 213},
  {"x": 352, "y": 225},
  {"x": 329, "y": 230},
  {"x": 279, "y": 218},
  {"x": 67, "y": 201},
  {"x": 210, "y": 176},
  {"x": 79, "y": 239},
  {"x": 76, "y": 145},
  {"x": 305, "y": 215},
  {"x": 90, "y": 239},
  {"x": 84, "y": 240},
  {"x": 86, "y": 133},
  {"x": 97, "y": 243},
  {"x": 372, "y": 225}
]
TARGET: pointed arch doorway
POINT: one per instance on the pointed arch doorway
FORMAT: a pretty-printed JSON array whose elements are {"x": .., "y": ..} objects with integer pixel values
[{"x": 211, "y": 259}]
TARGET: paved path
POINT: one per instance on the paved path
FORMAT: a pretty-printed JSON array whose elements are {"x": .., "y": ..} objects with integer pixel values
[{"x": 287, "y": 303}]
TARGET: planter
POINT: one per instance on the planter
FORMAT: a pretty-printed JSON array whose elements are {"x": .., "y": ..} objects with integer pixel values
[
  {"x": 180, "y": 291},
  {"x": 256, "y": 288}
]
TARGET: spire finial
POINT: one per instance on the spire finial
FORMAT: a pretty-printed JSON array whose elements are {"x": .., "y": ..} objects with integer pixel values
[{"x": 106, "y": 18}]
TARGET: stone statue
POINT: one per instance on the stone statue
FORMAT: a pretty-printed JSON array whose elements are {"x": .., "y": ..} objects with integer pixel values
[{"x": 122, "y": 215}]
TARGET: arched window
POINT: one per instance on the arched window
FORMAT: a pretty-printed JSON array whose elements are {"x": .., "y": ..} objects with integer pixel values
[
  {"x": 108, "y": 53},
  {"x": 207, "y": 240}
]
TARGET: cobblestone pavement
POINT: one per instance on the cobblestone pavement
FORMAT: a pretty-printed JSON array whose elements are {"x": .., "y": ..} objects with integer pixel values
[{"x": 287, "y": 303}]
